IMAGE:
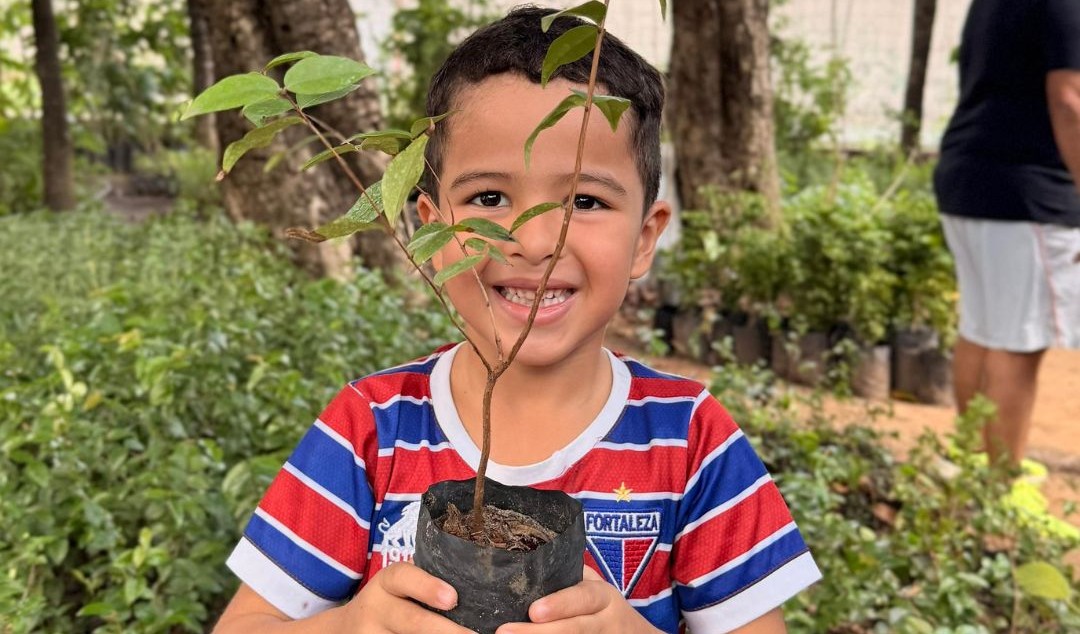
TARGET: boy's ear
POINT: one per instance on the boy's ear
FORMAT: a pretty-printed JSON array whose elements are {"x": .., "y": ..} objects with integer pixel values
[
  {"x": 656, "y": 219},
  {"x": 425, "y": 208}
]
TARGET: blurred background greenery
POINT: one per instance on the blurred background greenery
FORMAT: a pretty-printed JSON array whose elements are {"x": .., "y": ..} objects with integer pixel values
[{"x": 162, "y": 347}]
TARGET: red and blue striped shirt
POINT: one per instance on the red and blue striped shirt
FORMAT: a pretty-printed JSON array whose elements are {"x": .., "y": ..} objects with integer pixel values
[{"x": 680, "y": 514}]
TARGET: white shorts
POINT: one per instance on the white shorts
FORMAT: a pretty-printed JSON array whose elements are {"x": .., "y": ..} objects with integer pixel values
[{"x": 1019, "y": 283}]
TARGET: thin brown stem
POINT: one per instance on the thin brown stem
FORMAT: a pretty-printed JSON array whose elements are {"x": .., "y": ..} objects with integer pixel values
[
  {"x": 390, "y": 230},
  {"x": 476, "y": 275},
  {"x": 493, "y": 374},
  {"x": 329, "y": 128},
  {"x": 568, "y": 212}
]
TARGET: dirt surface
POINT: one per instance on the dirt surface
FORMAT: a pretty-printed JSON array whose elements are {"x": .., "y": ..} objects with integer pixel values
[
  {"x": 119, "y": 198},
  {"x": 503, "y": 528},
  {"x": 1055, "y": 435}
]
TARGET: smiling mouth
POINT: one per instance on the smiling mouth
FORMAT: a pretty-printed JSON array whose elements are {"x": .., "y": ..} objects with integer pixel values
[{"x": 526, "y": 296}]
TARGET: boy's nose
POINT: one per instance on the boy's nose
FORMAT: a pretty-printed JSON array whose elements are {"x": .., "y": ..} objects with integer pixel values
[{"x": 536, "y": 239}]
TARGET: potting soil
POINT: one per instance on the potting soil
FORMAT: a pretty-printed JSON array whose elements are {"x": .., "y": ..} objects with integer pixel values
[{"x": 508, "y": 530}]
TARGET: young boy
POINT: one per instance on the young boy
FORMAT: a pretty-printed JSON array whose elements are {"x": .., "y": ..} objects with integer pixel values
[{"x": 683, "y": 524}]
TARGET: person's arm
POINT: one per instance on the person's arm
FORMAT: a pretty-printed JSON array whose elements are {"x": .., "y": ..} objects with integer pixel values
[{"x": 1063, "y": 97}]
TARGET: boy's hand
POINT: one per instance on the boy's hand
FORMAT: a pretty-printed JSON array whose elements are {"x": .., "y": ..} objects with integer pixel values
[
  {"x": 593, "y": 606},
  {"x": 383, "y": 606}
]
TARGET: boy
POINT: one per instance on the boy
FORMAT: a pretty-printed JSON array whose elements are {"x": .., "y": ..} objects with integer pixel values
[{"x": 682, "y": 521}]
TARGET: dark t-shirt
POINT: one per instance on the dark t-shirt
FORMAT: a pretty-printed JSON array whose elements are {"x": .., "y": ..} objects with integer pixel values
[{"x": 999, "y": 160}]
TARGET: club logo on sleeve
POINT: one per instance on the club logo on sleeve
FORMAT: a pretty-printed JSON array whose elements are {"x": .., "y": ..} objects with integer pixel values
[
  {"x": 622, "y": 543},
  {"x": 399, "y": 538}
]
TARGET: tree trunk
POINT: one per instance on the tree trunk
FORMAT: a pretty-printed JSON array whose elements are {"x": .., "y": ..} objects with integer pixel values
[
  {"x": 202, "y": 71},
  {"x": 56, "y": 140},
  {"x": 245, "y": 34},
  {"x": 921, "y": 35},
  {"x": 721, "y": 99}
]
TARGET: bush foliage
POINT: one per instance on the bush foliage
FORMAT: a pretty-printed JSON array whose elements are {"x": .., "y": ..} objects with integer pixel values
[
  {"x": 155, "y": 376},
  {"x": 154, "y": 379},
  {"x": 927, "y": 545}
]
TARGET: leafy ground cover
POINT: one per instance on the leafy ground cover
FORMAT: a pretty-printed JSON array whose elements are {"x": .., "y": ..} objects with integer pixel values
[{"x": 152, "y": 379}]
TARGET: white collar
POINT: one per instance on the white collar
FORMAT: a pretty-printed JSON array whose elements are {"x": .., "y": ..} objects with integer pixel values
[{"x": 446, "y": 414}]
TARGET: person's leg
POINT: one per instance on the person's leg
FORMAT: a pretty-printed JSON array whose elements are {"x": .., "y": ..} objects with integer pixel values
[
  {"x": 1010, "y": 380},
  {"x": 968, "y": 374}
]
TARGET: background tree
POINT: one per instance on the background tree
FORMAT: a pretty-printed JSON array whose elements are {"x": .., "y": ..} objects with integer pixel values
[
  {"x": 721, "y": 113},
  {"x": 248, "y": 30},
  {"x": 202, "y": 67},
  {"x": 59, "y": 186},
  {"x": 921, "y": 35}
]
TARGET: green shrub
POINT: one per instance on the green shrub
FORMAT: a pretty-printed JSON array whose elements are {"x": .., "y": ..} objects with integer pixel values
[
  {"x": 154, "y": 377},
  {"x": 20, "y": 179},
  {"x": 926, "y": 293},
  {"x": 726, "y": 258},
  {"x": 838, "y": 269},
  {"x": 924, "y": 545}
]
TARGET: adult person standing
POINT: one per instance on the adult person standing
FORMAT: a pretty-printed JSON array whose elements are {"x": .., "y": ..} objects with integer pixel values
[{"x": 1008, "y": 185}]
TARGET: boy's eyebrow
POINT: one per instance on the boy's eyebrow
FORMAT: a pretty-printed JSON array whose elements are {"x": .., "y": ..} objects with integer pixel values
[
  {"x": 598, "y": 179},
  {"x": 585, "y": 177},
  {"x": 468, "y": 177}
]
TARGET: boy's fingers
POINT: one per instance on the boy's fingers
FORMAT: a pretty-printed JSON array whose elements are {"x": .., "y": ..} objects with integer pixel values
[
  {"x": 588, "y": 574},
  {"x": 419, "y": 619},
  {"x": 587, "y": 597},
  {"x": 405, "y": 580}
]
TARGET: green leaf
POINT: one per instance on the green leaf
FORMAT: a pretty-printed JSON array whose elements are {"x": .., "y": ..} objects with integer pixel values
[
  {"x": 98, "y": 608},
  {"x": 494, "y": 253},
  {"x": 613, "y": 107},
  {"x": 487, "y": 228},
  {"x": 567, "y": 48},
  {"x": 592, "y": 10},
  {"x": 428, "y": 239},
  {"x": 288, "y": 57},
  {"x": 457, "y": 268},
  {"x": 663, "y": 9},
  {"x": 231, "y": 92},
  {"x": 553, "y": 117},
  {"x": 421, "y": 125},
  {"x": 360, "y": 217},
  {"x": 401, "y": 177},
  {"x": 345, "y": 148},
  {"x": 1043, "y": 580},
  {"x": 322, "y": 74},
  {"x": 476, "y": 244},
  {"x": 308, "y": 101},
  {"x": 531, "y": 213},
  {"x": 391, "y": 141},
  {"x": 260, "y": 111},
  {"x": 257, "y": 138}
]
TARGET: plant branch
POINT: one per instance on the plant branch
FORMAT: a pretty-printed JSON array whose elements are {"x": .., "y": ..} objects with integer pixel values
[
  {"x": 389, "y": 229},
  {"x": 476, "y": 275},
  {"x": 568, "y": 212},
  {"x": 478, "y": 491}
]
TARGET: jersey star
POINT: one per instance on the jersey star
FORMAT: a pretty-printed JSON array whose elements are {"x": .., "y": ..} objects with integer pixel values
[{"x": 622, "y": 494}]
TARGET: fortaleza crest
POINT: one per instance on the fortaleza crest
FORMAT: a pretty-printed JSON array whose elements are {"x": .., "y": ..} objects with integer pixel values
[{"x": 622, "y": 543}]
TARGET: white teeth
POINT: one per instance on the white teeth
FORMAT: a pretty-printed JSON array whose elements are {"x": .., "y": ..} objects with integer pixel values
[{"x": 526, "y": 296}]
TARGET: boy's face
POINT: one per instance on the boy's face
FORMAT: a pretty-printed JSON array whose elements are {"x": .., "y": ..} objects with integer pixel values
[{"x": 609, "y": 241}]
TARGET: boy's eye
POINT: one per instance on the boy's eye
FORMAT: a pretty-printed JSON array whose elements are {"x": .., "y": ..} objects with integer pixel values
[
  {"x": 587, "y": 203},
  {"x": 489, "y": 199}
]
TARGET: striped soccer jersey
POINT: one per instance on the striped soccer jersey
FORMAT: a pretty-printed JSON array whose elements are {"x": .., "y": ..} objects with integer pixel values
[{"x": 680, "y": 514}]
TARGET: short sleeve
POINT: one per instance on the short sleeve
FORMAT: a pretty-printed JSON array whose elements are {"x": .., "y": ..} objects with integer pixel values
[
  {"x": 305, "y": 548},
  {"x": 738, "y": 553},
  {"x": 1062, "y": 44}
]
